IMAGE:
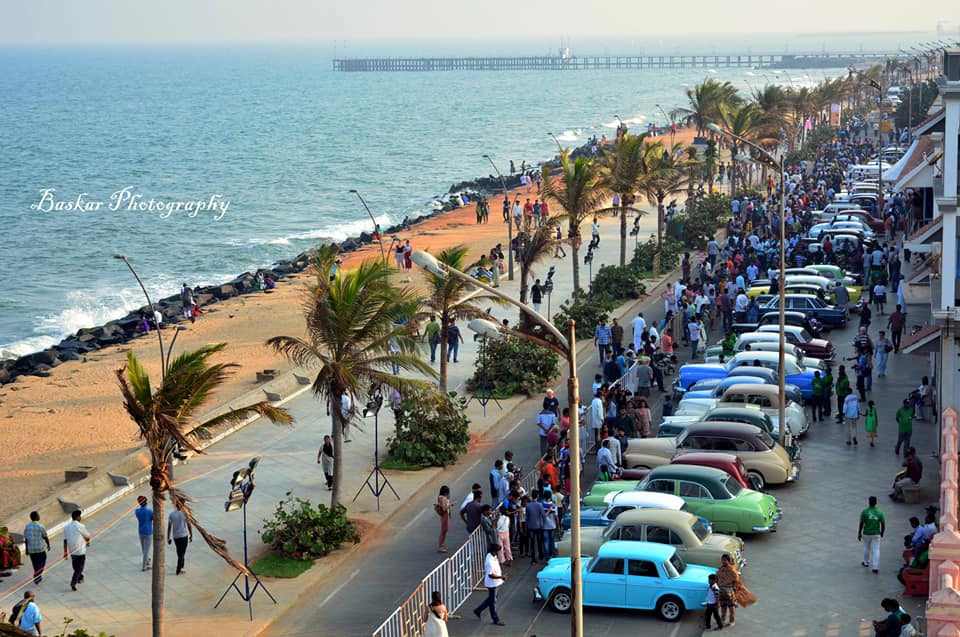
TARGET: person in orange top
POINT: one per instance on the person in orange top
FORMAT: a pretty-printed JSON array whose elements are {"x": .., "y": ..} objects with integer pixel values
[
  {"x": 666, "y": 341},
  {"x": 550, "y": 473}
]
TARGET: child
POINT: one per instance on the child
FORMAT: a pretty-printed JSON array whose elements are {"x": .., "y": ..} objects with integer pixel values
[
  {"x": 871, "y": 422},
  {"x": 906, "y": 628},
  {"x": 713, "y": 594}
]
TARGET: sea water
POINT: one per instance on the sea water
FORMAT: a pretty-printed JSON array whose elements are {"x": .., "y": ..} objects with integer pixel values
[{"x": 200, "y": 163}]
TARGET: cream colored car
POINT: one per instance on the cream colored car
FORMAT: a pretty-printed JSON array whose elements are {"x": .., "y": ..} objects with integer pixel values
[{"x": 693, "y": 539}]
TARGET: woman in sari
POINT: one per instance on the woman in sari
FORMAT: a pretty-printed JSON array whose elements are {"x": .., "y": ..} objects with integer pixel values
[
  {"x": 728, "y": 580},
  {"x": 436, "y": 622}
]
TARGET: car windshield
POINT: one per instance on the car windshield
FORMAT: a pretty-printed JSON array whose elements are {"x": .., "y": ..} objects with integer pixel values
[
  {"x": 674, "y": 567},
  {"x": 732, "y": 485},
  {"x": 701, "y": 530},
  {"x": 805, "y": 335}
]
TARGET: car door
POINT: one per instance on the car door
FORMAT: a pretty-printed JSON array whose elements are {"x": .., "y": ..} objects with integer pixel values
[
  {"x": 643, "y": 584},
  {"x": 605, "y": 583}
]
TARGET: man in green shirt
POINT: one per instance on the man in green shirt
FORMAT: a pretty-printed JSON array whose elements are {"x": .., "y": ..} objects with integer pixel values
[
  {"x": 728, "y": 344},
  {"x": 873, "y": 524},
  {"x": 432, "y": 334},
  {"x": 817, "y": 397},
  {"x": 904, "y": 427},
  {"x": 843, "y": 388}
]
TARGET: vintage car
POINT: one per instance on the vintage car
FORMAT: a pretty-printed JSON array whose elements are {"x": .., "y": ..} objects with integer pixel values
[
  {"x": 766, "y": 461},
  {"x": 602, "y": 504},
  {"x": 794, "y": 334},
  {"x": 830, "y": 315},
  {"x": 632, "y": 575},
  {"x": 758, "y": 287},
  {"x": 714, "y": 387},
  {"x": 773, "y": 318},
  {"x": 695, "y": 542},
  {"x": 763, "y": 343},
  {"x": 767, "y": 398},
  {"x": 728, "y": 462},
  {"x": 828, "y": 284},
  {"x": 713, "y": 494},
  {"x": 796, "y": 372},
  {"x": 836, "y": 274},
  {"x": 812, "y": 290},
  {"x": 862, "y": 216}
]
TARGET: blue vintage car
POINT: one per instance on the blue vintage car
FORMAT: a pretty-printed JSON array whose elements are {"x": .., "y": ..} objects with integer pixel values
[
  {"x": 796, "y": 373},
  {"x": 715, "y": 387},
  {"x": 629, "y": 574}
]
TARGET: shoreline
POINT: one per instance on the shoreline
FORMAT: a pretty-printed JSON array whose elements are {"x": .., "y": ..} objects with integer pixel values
[{"x": 73, "y": 414}]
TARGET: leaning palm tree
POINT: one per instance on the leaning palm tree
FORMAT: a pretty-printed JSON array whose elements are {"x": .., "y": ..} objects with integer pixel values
[
  {"x": 744, "y": 122},
  {"x": 579, "y": 192},
  {"x": 623, "y": 171},
  {"x": 707, "y": 103},
  {"x": 164, "y": 417},
  {"x": 452, "y": 299},
  {"x": 357, "y": 327},
  {"x": 665, "y": 177}
]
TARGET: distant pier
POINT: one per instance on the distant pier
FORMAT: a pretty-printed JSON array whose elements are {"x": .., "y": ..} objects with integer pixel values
[{"x": 566, "y": 62}]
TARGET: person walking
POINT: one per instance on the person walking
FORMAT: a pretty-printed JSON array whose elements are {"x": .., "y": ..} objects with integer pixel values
[
  {"x": 144, "y": 530},
  {"x": 904, "y": 426},
  {"x": 179, "y": 530},
  {"x": 76, "y": 539},
  {"x": 728, "y": 581},
  {"x": 431, "y": 333},
  {"x": 546, "y": 419},
  {"x": 325, "y": 460},
  {"x": 843, "y": 388},
  {"x": 884, "y": 347},
  {"x": 29, "y": 617},
  {"x": 37, "y": 543},
  {"x": 896, "y": 323},
  {"x": 437, "y": 616},
  {"x": 493, "y": 578},
  {"x": 187, "y": 302},
  {"x": 851, "y": 415},
  {"x": 503, "y": 536},
  {"x": 693, "y": 328},
  {"x": 873, "y": 524},
  {"x": 534, "y": 517},
  {"x": 817, "y": 401},
  {"x": 442, "y": 507},
  {"x": 713, "y": 595},
  {"x": 488, "y": 525},
  {"x": 601, "y": 338},
  {"x": 454, "y": 338},
  {"x": 536, "y": 295},
  {"x": 870, "y": 422}
]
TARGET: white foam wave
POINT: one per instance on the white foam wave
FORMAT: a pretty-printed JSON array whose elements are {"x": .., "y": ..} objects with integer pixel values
[
  {"x": 569, "y": 135},
  {"x": 713, "y": 71}
]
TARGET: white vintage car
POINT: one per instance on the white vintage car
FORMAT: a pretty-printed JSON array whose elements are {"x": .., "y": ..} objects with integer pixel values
[{"x": 767, "y": 398}]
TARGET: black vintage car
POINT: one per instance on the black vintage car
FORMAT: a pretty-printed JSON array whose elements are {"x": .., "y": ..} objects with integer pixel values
[{"x": 809, "y": 306}]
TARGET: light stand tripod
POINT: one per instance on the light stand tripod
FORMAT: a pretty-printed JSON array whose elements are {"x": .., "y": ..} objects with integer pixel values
[
  {"x": 380, "y": 482},
  {"x": 241, "y": 487},
  {"x": 483, "y": 396}
]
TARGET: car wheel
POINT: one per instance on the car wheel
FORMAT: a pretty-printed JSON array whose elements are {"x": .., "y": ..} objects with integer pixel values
[
  {"x": 561, "y": 601},
  {"x": 755, "y": 478},
  {"x": 670, "y": 608},
  {"x": 640, "y": 466}
]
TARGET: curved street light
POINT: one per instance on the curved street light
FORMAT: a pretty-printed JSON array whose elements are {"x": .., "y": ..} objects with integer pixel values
[
  {"x": 503, "y": 184},
  {"x": 539, "y": 330},
  {"x": 383, "y": 256},
  {"x": 778, "y": 163},
  {"x": 557, "y": 141}
]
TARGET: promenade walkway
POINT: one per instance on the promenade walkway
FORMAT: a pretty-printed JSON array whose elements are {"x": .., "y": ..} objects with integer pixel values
[{"x": 115, "y": 598}]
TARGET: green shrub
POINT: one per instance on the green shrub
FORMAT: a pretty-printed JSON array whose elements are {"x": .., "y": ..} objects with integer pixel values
[
  {"x": 586, "y": 311},
  {"x": 619, "y": 282},
  {"x": 643, "y": 255},
  {"x": 301, "y": 531},
  {"x": 76, "y": 632},
  {"x": 515, "y": 366},
  {"x": 432, "y": 429}
]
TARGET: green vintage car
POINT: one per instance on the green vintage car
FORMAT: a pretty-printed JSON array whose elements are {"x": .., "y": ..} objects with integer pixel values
[
  {"x": 693, "y": 539},
  {"x": 594, "y": 498},
  {"x": 716, "y": 496}
]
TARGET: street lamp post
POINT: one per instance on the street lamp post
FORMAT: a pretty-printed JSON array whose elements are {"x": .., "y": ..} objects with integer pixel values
[
  {"x": 503, "y": 185},
  {"x": 557, "y": 142},
  {"x": 778, "y": 163},
  {"x": 540, "y": 330},
  {"x": 153, "y": 314},
  {"x": 376, "y": 231}
]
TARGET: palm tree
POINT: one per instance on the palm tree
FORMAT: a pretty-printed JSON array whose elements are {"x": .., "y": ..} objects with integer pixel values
[
  {"x": 708, "y": 102},
  {"x": 533, "y": 249},
  {"x": 744, "y": 122},
  {"x": 665, "y": 176},
  {"x": 352, "y": 326},
  {"x": 579, "y": 192},
  {"x": 622, "y": 173},
  {"x": 164, "y": 418},
  {"x": 452, "y": 300}
]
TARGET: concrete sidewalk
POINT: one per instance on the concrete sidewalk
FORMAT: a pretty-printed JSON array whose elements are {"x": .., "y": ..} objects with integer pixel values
[{"x": 115, "y": 598}]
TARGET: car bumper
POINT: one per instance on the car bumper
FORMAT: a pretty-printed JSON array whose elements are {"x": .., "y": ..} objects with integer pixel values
[
  {"x": 772, "y": 528},
  {"x": 794, "y": 473},
  {"x": 537, "y": 595}
]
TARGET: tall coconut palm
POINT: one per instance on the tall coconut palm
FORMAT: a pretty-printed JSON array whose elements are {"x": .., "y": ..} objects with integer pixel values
[
  {"x": 579, "y": 192},
  {"x": 357, "y": 328},
  {"x": 535, "y": 247},
  {"x": 707, "y": 103},
  {"x": 451, "y": 300},
  {"x": 665, "y": 176},
  {"x": 744, "y": 122},
  {"x": 164, "y": 418},
  {"x": 623, "y": 170}
]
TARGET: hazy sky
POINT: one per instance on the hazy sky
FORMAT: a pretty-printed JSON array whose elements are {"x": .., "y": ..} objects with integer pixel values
[{"x": 71, "y": 21}]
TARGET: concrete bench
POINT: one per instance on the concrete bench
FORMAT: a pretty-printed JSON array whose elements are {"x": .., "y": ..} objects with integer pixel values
[
  {"x": 73, "y": 474},
  {"x": 118, "y": 480},
  {"x": 912, "y": 493},
  {"x": 266, "y": 375},
  {"x": 273, "y": 396},
  {"x": 68, "y": 507}
]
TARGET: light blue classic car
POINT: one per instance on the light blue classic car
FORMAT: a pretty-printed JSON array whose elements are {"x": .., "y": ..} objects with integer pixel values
[
  {"x": 629, "y": 574},
  {"x": 796, "y": 372},
  {"x": 715, "y": 387}
]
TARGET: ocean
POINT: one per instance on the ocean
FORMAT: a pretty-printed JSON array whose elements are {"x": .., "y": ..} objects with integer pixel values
[{"x": 202, "y": 162}]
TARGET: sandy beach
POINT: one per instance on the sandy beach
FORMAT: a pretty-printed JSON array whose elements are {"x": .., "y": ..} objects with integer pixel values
[{"x": 75, "y": 416}]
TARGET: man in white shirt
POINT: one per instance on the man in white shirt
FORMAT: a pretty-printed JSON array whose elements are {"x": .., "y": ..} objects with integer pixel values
[
  {"x": 596, "y": 416},
  {"x": 615, "y": 452},
  {"x": 740, "y": 306},
  {"x": 493, "y": 578},
  {"x": 76, "y": 539},
  {"x": 639, "y": 324}
]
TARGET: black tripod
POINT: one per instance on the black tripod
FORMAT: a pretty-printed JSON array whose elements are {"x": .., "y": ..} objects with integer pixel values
[
  {"x": 485, "y": 395},
  {"x": 242, "y": 485},
  {"x": 380, "y": 481}
]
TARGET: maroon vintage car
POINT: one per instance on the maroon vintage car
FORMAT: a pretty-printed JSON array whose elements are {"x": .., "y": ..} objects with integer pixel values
[
  {"x": 728, "y": 462},
  {"x": 812, "y": 347}
]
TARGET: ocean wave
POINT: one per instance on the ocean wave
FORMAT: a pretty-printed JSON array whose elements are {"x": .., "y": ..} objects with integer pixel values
[{"x": 570, "y": 136}]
